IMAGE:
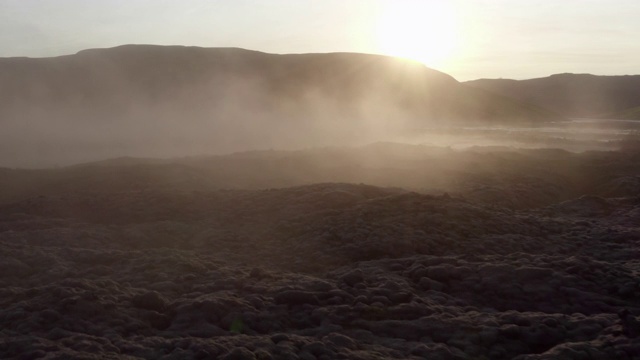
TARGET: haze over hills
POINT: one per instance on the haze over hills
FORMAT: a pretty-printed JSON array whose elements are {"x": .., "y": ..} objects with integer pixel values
[
  {"x": 574, "y": 95},
  {"x": 143, "y": 100}
]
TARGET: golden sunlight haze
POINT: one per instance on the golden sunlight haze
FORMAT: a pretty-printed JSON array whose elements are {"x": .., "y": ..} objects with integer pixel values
[{"x": 426, "y": 31}]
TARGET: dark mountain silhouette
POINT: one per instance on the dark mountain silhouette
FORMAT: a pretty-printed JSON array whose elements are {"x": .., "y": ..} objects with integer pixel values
[
  {"x": 172, "y": 100},
  {"x": 573, "y": 95}
]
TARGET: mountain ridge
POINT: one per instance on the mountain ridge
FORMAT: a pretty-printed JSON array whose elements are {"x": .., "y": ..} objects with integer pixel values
[
  {"x": 572, "y": 95},
  {"x": 156, "y": 101}
]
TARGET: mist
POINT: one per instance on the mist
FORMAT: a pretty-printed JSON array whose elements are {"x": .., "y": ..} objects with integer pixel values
[{"x": 150, "y": 101}]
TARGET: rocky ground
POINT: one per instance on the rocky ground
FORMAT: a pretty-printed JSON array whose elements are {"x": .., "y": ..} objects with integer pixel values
[{"x": 515, "y": 266}]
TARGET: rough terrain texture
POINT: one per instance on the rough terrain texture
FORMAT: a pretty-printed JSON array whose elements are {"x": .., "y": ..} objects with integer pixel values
[{"x": 328, "y": 270}]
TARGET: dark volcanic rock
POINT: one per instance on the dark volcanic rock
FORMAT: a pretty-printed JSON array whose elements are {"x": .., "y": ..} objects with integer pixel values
[
  {"x": 295, "y": 297},
  {"x": 151, "y": 300},
  {"x": 326, "y": 271}
]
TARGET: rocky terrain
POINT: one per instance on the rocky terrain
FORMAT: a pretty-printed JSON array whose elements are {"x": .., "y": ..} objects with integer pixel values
[{"x": 381, "y": 252}]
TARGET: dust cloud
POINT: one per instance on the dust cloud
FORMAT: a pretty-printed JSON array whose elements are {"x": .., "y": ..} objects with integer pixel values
[{"x": 148, "y": 101}]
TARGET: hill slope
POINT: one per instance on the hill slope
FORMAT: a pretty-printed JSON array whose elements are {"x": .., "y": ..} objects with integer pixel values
[
  {"x": 169, "y": 100},
  {"x": 572, "y": 95},
  {"x": 628, "y": 114}
]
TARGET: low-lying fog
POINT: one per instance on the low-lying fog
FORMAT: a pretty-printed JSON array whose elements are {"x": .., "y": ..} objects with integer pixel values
[
  {"x": 573, "y": 135},
  {"x": 164, "y": 102},
  {"x": 57, "y": 147}
]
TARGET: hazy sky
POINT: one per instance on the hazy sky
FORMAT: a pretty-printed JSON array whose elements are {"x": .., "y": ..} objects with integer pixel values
[{"x": 466, "y": 38}]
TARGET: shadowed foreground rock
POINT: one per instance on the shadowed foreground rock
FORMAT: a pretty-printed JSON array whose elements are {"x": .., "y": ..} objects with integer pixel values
[{"x": 302, "y": 273}]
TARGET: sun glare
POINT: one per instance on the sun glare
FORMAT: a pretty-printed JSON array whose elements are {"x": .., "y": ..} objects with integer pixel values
[{"x": 422, "y": 30}]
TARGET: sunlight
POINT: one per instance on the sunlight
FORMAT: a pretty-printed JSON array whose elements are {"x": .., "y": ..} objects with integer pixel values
[{"x": 422, "y": 30}]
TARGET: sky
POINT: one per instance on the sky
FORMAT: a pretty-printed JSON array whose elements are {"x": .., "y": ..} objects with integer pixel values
[{"x": 468, "y": 39}]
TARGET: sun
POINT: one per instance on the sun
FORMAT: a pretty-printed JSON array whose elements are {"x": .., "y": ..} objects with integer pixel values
[{"x": 422, "y": 30}]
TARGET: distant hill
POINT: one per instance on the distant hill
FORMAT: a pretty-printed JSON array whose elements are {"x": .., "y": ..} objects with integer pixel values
[
  {"x": 628, "y": 114},
  {"x": 142, "y": 100},
  {"x": 573, "y": 95}
]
